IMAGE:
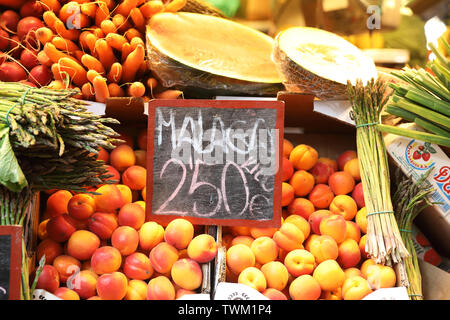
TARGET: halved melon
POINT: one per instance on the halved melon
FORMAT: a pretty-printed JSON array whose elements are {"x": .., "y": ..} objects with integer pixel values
[
  {"x": 190, "y": 50},
  {"x": 320, "y": 62}
]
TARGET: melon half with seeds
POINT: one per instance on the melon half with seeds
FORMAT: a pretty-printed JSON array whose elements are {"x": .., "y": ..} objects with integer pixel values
[{"x": 319, "y": 62}]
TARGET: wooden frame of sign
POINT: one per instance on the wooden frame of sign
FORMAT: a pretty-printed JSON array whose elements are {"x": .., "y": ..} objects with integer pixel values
[
  {"x": 10, "y": 267},
  {"x": 215, "y": 162}
]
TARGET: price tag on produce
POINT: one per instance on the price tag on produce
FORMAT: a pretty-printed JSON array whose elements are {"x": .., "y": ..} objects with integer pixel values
[
  {"x": 10, "y": 262},
  {"x": 215, "y": 162}
]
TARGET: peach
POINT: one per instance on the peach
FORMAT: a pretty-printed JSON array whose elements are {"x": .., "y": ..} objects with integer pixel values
[
  {"x": 265, "y": 249},
  {"x": 334, "y": 226},
  {"x": 303, "y": 157},
  {"x": 42, "y": 229},
  {"x": 345, "y": 206},
  {"x": 302, "y": 207},
  {"x": 103, "y": 224},
  {"x": 239, "y": 257},
  {"x": 358, "y": 195},
  {"x": 254, "y": 278},
  {"x": 187, "y": 274},
  {"x": 135, "y": 177},
  {"x": 179, "y": 233},
  {"x": 122, "y": 157},
  {"x": 328, "y": 161},
  {"x": 141, "y": 158},
  {"x": 82, "y": 244},
  {"x": 321, "y": 196},
  {"x": 112, "y": 286},
  {"x": 109, "y": 199},
  {"x": 274, "y": 294},
  {"x": 125, "y": 239},
  {"x": 365, "y": 265},
  {"x": 60, "y": 228},
  {"x": 66, "y": 266},
  {"x": 344, "y": 157},
  {"x": 81, "y": 206},
  {"x": 329, "y": 275},
  {"x": 352, "y": 272},
  {"x": 341, "y": 182},
  {"x": 141, "y": 203},
  {"x": 321, "y": 172},
  {"x": 66, "y": 294},
  {"x": 276, "y": 274},
  {"x": 256, "y": 232},
  {"x": 84, "y": 283},
  {"x": 287, "y": 148},
  {"x": 303, "y": 182},
  {"x": 361, "y": 219},
  {"x": 311, "y": 238},
  {"x": 137, "y": 266},
  {"x": 50, "y": 248},
  {"x": 246, "y": 240},
  {"x": 113, "y": 173},
  {"x": 355, "y": 288},
  {"x": 180, "y": 292},
  {"x": 305, "y": 287},
  {"x": 352, "y": 167},
  {"x": 324, "y": 248},
  {"x": 57, "y": 202},
  {"x": 379, "y": 276},
  {"x": 349, "y": 254},
  {"x": 203, "y": 248},
  {"x": 106, "y": 259},
  {"x": 300, "y": 223},
  {"x": 126, "y": 192},
  {"x": 316, "y": 218},
  {"x": 287, "y": 169},
  {"x": 240, "y": 231},
  {"x": 137, "y": 290},
  {"x": 48, "y": 279},
  {"x": 287, "y": 194},
  {"x": 150, "y": 234},
  {"x": 131, "y": 215},
  {"x": 299, "y": 262},
  {"x": 289, "y": 237},
  {"x": 352, "y": 231},
  {"x": 163, "y": 256},
  {"x": 160, "y": 288}
]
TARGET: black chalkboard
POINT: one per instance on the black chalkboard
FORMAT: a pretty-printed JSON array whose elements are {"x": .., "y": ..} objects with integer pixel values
[
  {"x": 10, "y": 262},
  {"x": 215, "y": 162},
  {"x": 5, "y": 262}
]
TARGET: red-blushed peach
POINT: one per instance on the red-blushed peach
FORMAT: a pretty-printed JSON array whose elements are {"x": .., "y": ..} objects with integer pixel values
[
  {"x": 84, "y": 283},
  {"x": 355, "y": 288},
  {"x": 112, "y": 286},
  {"x": 135, "y": 177},
  {"x": 302, "y": 207},
  {"x": 48, "y": 279},
  {"x": 305, "y": 287},
  {"x": 287, "y": 194},
  {"x": 163, "y": 256},
  {"x": 287, "y": 169},
  {"x": 351, "y": 272},
  {"x": 125, "y": 239},
  {"x": 66, "y": 294},
  {"x": 324, "y": 248},
  {"x": 276, "y": 274},
  {"x": 303, "y": 157},
  {"x": 362, "y": 247},
  {"x": 122, "y": 157},
  {"x": 109, "y": 199},
  {"x": 254, "y": 278},
  {"x": 329, "y": 275},
  {"x": 344, "y": 157},
  {"x": 180, "y": 292},
  {"x": 328, "y": 161},
  {"x": 137, "y": 290},
  {"x": 50, "y": 248},
  {"x": 256, "y": 232},
  {"x": 60, "y": 228},
  {"x": 150, "y": 234},
  {"x": 137, "y": 266},
  {"x": 349, "y": 254},
  {"x": 334, "y": 226},
  {"x": 81, "y": 206},
  {"x": 358, "y": 195},
  {"x": 302, "y": 182},
  {"x": 321, "y": 196},
  {"x": 352, "y": 231},
  {"x": 132, "y": 215},
  {"x": 239, "y": 257},
  {"x": 126, "y": 192},
  {"x": 321, "y": 172},
  {"x": 316, "y": 218},
  {"x": 103, "y": 224},
  {"x": 82, "y": 244},
  {"x": 246, "y": 240},
  {"x": 345, "y": 206},
  {"x": 202, "y": 248},
  {"x": 66, "y": 266},
  {"x": 113, "y": 173},
  {"x": 365, "y": 265},
  {"x": 289, "y": 237},
  {"x": 179, "y": 233},
  {"x": 300, "y": 223},
  {"x": 299, "y": 262},
  {"x": 106, "y": 259},
  {"x": 341, "y": 182},
  {"x": 352, "y": 167},
  {"x": 187, "y": 274},
  {"x": 103, "y": 155},
  {"x": 57, "y": 203},
  {"x": 274, "y": 294},
  {"x": 361, "y": 219},
  {"x": 265, "y": 249},
  {"x": 379, "y": 276},
  {"x": 160, "y": 288}
]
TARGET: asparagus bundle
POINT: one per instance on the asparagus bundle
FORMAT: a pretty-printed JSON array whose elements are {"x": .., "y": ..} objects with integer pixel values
[{"x": 384, "y": 243}]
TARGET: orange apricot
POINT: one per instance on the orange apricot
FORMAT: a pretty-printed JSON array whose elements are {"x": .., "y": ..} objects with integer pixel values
[
  {"x": 179, "y": 233},
  {"x": 160, "y": 288},
  {"x": 305, "y": 287},
  {"x": 125, "y": 239},
  {"x": 303, "y": 182},
  {"x": 81, "y": 206},
  {"x": 341, "y": 182},
  {"x": 276, "y": 274},
  {"x": 106, "y": 259},
  {"x": 334, "y": 226},
  {"x": 57, "y": 202},
  {"x": 187, "y": 274},
  {"x": 132, "y": 215},
  {"x": 265, "y": 249},
  {"x": 135, "y": 177},
  {"x": 287, "y": 194},
  {"x": 112, "y": 286},
  {"x": 329, "y": 275},
  {"x": 82, "y": 244},
  {"x": 345, "y": 206},
  {"x": 321, "y": 196},
  {"x": 239, "y": 257},
  {"x": 302, "y": 207},
  {"x": 303, "y": 157},
  {"x": 349, "y": 254},
  {"x": 122, "y": 157},
  {"x": 352, "y": 167},
  {"x": 254, "y": 278}
]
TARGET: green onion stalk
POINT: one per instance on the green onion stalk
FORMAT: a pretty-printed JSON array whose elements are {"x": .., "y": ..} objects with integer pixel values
[{"x": 384, "y": 243}]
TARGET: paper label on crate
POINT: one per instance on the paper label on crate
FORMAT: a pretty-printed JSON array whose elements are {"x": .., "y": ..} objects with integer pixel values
[
  {"x": 200, "y": 296},
  {"x": 237, "y": 291},
  {"x": 338, "y": 109},
  {"x": 415, "y": 157},
  {"x": 40, "y": 294},
  {"x": 398, "y": 293}
]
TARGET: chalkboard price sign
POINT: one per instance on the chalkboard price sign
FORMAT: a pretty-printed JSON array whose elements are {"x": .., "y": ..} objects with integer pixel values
[
  {"x": 215, "y": 162},
  {"x": 10, "y": 262}
]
